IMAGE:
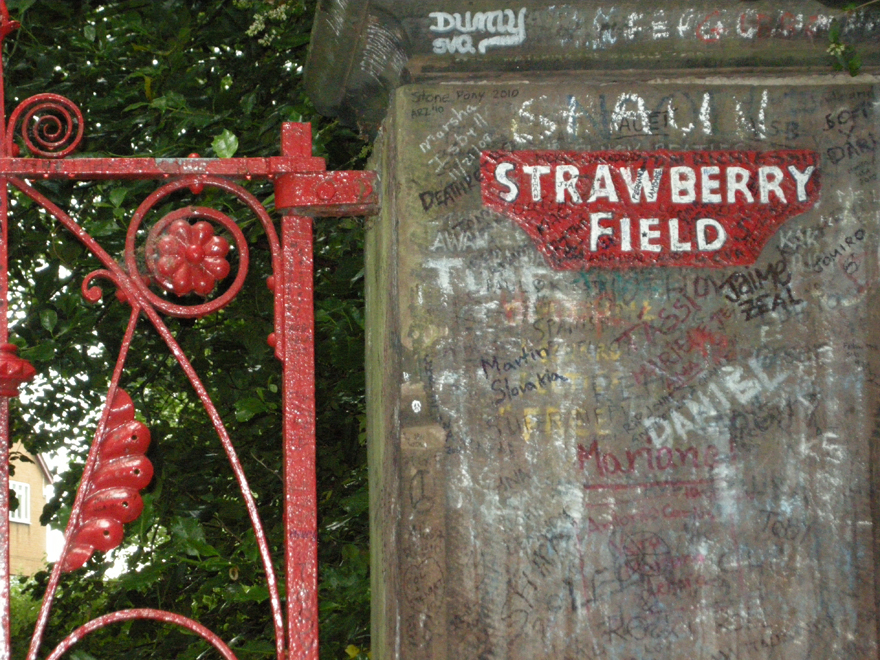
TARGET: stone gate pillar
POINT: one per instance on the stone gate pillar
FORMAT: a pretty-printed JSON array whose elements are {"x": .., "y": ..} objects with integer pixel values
[{"x": 622, "y": 301}]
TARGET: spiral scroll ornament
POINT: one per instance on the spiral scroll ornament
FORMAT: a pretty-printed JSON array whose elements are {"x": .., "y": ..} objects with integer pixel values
[{"x": 51, "y": 126}]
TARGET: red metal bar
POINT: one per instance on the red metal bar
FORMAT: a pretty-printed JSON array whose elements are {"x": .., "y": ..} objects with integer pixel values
[
  {"x": 5, "y": 624},
  {"x": 157, "y": 168},
  {"x": 142, "y": 613},
  {"x": 55, "y": 577},
  {"x": 300, "y": 488},
  {"x": 309, "y": 187},
  {"x": 5, "y": 615},
  {"x": 5, "y": 595},
  {"x": 298, "y": 399}
]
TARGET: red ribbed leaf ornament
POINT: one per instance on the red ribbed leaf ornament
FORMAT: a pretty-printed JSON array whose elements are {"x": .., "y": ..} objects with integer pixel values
[
  {"x": 13, "y": 370},
  {"x": 112, "y": 496}
]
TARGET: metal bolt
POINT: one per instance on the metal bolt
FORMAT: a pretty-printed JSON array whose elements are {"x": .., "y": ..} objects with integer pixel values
[{"x": 325, "y": 191}]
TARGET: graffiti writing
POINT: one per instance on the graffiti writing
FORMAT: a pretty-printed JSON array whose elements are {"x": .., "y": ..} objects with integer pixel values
[{"x": 506, "y": 26}]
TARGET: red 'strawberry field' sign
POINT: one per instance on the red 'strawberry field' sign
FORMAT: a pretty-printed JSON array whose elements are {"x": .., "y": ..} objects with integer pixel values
[{"x": 623, "y": 209}]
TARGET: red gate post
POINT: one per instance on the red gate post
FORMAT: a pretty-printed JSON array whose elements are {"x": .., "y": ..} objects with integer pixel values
[
  {"x": 5, "y": 595},
  {"x": 303, "y": 189},
  {"x": 6, "y": 25},
  {"x": 300, "y": 487},
  {"x": 298, "y": 357}
]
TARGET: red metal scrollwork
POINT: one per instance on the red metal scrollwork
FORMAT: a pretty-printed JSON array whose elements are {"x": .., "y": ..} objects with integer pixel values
[
  {"x": 192, "y": 250},
  {"x": 186, "y": 258},
  {"x": 111, "y": 498},
  {"x": 52, "y": 126}
]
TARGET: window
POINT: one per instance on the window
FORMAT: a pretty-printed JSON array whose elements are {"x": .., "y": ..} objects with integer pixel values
[{"x": 23, "y": 492}]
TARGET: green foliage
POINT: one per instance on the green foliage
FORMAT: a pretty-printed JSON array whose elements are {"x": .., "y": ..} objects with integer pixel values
[
  {"x": 844, "y": 57},
  {"x": 167, "y": 79},
  {"x": 24, "y": 615}
]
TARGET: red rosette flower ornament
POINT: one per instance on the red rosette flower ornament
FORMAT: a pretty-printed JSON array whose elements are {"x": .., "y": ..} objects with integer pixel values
[{"x": 187, "y": 258}]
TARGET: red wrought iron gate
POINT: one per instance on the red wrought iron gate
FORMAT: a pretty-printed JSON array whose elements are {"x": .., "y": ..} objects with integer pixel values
[{"x": 183, "y": 255}]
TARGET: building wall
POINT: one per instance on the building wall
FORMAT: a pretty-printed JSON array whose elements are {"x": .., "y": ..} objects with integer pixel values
[
  {"x": 579, "y": 451},
  {"x": 28, "y": 540}
]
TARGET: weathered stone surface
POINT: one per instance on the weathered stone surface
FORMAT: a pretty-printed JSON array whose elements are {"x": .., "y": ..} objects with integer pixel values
[
  {"x": 655, "y": 463},
  {"x": 362, "y": 49}
]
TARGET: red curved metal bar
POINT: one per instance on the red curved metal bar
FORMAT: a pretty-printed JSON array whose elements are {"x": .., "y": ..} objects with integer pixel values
[
  {"x": 133, "y": 290},
  {"x": 121, "y": 278},
  {"x": 232, "y": 456},
  {"x": 276, "y": 281},
  {"x": 195, "y": 311},
  {"x": 94, "y": 293},
  {"x": 76, "y": 513},
  {"x": 142, "y": 613}
]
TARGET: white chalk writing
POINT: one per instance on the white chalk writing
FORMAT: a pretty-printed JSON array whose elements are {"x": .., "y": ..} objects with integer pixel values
[{"x": 508, "y": 27}]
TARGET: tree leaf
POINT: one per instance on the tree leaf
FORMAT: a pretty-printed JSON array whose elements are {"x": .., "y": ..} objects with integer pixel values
[
  {"x": 117, "y": 196},
  {"x": 225, "y": 145},
  {"x": 21, "y": 6},
  {"x": 43, "y": 352},
  {"x": 257, "y": 593},
  {"x": 48, "y": 319},
  {"x": 102, "y": 227},
  {"x": 246, "y": 409}
]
